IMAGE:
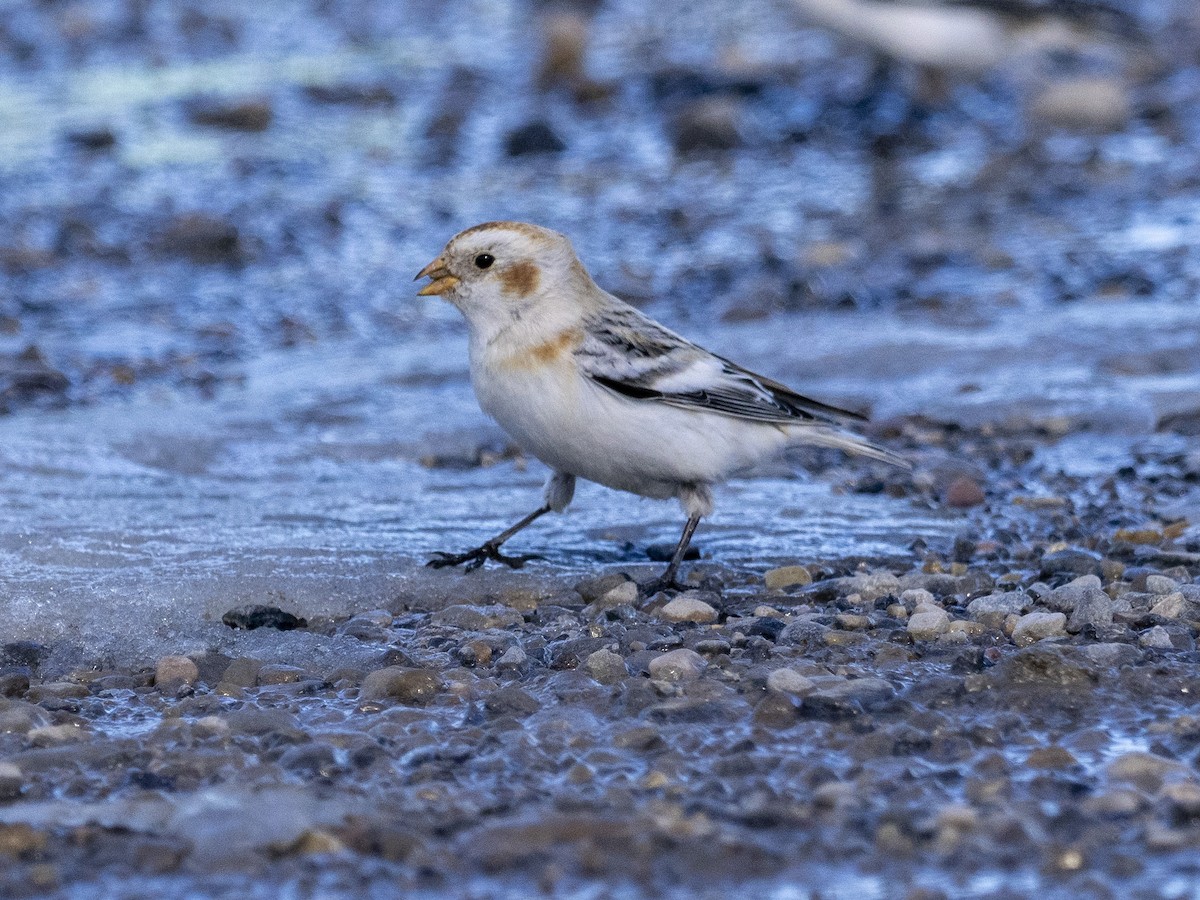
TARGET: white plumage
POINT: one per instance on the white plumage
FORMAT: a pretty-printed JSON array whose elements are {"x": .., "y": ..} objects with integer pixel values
[{"x": 595, "y": 389}]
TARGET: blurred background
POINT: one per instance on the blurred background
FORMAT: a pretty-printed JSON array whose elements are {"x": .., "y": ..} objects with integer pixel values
[{"x": 185, "y": 186}]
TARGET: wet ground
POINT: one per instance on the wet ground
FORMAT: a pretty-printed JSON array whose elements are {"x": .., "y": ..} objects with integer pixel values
[{"x": 218, "y": 391}]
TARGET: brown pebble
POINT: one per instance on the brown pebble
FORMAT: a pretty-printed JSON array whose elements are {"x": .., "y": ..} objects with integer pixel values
[{"x": 964, "y": 492}]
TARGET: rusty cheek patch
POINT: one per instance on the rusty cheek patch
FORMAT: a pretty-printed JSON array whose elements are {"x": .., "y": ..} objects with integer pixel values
[{"x": 520, "y": 278}]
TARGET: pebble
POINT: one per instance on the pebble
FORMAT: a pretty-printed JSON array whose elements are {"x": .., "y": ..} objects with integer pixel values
[
  {"x": 872, "y": 585},
  {"x": 928, "y": 623},
  {"x": 256, "y": 615},
  {"x": 1085, "y": 102},
  {"x": 606, "y": 666},
  {"x": 677, "y": 665},
  {"x": 202, "y": 238},
  {"x": 1161, "y": 584},
  {"x": 706, "y": 125},
  {"x": 56, "y": 690},
  {"x": 280, "y": 674},
  {"x": 914, "y": 597},
  {"x": 1038, "y": 626},
  {"x": 533, "y": 138},
  {"x": 1095, "y": 608},
  {"x": 1156, "y": 638},
  {"x": 789, "y": 681},
  {"x": 842, "y": 697},
  {"x": 1065, "y": 598},
  {"x": 478, "y": 618},
  {"x": 512, "y": 659},
  {"x": 12, "y": 780},
  {"x": 176, "y": 669},
  {"x": 787, "y": 576},
  {"x": 964, "y": 492},
  {"x": 234, "y": 115},
  {"x": 1172, "y": 606},
  {"x": 624, "y": 594},
  {"x": 417, "y": 686},
  {"x": 993, "y": 609},
  {"x": 1184, "y": 797},
  {"x": 688, "y": 608},
  {"x": 49, "y": 735}
]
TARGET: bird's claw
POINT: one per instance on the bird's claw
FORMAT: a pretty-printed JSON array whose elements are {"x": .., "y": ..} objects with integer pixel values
[{"x": 477, "y": 557}]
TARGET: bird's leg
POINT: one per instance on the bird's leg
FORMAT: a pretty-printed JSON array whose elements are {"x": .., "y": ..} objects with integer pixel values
[
  {"x": 666, "y": 581},
  {"x": 490, "y": 549}
]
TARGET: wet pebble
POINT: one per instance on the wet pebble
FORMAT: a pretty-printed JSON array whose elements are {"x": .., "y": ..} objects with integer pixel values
[
  {"x": 1172, "y": 606},
  {"x": 688, "y": 607},
  {"x": 533, "y": 138},
  {"x": 478, "y": 618},
  {"x": 1065, "y": 598},
  {"x": 927, "y": 623},
  {"x": 1038, "y": 626},
  {"x": 56, "y": 690},
  {"x": 835, "y": 698},
  {"x": 993, "y": 609},
  {"x": 280, "y": 674},
  {"x": 606, "y": 666},
  {"x": 1161, "y": 584},
  {"x": 870, "y": 586},
  {"x": 234, "y": 115},
  {"x": 257, "y": 615},
  {"x": 963, "y": 493},
  {"x": 201, "y": 238},
  {"x": 414, "y": 686},
  {"x": 1086, "y": 102},
  {"x": 12, "y": 781},
  {"x": 1093, "y": 609},
  {"x": 786, "y": 577},
  {"x": 677, "y": 665},
  {"x": 706, "y": 125},
  {"x": 789, "y": 681},
  {"x": 1156, "y": 638},
  {"x": 176, "y": 670},
  {"x": 514, "y": 659}
]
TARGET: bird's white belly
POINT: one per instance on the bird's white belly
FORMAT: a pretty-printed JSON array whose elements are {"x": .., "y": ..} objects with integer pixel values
[{"x": 649, "y": 448}]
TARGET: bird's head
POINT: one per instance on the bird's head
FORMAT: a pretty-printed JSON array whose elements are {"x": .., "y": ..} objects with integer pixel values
[{"x": 500, "y": 272}]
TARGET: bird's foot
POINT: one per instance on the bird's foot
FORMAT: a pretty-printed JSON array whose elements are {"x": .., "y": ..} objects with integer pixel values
[{"x": 477, "y": 557}]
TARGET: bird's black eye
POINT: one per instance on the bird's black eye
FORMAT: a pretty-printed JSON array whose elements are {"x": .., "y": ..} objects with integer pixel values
[{"x": 483, "y": 260}]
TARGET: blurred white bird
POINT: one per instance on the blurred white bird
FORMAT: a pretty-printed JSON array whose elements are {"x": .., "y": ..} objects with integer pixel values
[{"x": 597, "y": 390}]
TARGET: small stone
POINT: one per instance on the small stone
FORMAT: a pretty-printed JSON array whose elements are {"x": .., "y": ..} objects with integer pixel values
[
  {"x": 1172, "y": 606},
  {"x": 1051, "y": 758},
  {"x": 233, "y": 115},
  {"x": 1156, "y": 638},
  {"x": 1161, "y": 584},
  {"x": 624, "y": 594},
  {"x": 416, "y": 686},
  {"x": 686, "y": 608},
  {"x": 1145, "y": 770},
  {"x": 706, "y": 125},
  {"x": 1071, "y": 560},
  {"x": 280, "y": 674},
  {"x": 789, "y": 681},
  {"x": 1085, "y": 102},
  {"x": 478, "y": 618},
  {"x": 994, "y": 608},
  {"x": 1065, "y": 598},
  {"x": 928, "y": 624},
  {"x": 593, "y": 589},
  {"x": 914, "y": 597},
  {"x": 56, "y": 690},
  {"x": 852, "y": 621},
  {"x": 964, "y": 492},
  {"x": 512, "y": 658},
  {"x": 1184, "y": 798},
  {"x": 259, "y": 616},
  {"x": 176, "y": 669},
  {"x": 535, "y": 137},
  {"x": 787, "y": 576},
  {"x": 49, "y": 735},
  {"x": 897, "y": 611},
  {"x": 606, "y": 666},
  {"x": 763, "y": 611},
  {"x": 20, "y": 839},
  {"x": 201, "y": 238},
  {"x": 12, "y": 781},
  {"x": 1094, "y": 608},
  {"x": 677, "y": 665},
  {"x": 871, "y": 585},
  {"x": 1038, "y": 626}
]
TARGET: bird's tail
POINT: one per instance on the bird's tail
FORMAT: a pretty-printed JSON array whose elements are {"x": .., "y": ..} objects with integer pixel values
[{"x": 843, "y": 440}]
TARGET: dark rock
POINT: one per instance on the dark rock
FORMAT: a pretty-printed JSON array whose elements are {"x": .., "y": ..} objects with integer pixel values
[
  {"x": 765, "y": 626},
  {"x": 27, "y": 654},
  {"x": 92, "y": 139},
  {"x": 258, "y": 616},
  {"x": 535, "y": 137},
  {"x": 233, "y": 115},
  {"x": 511, "y": 701},
  {"x": 352, "y": 94},
  {"x": 201, "y": 238},
  {"x": 1072, "y": 561},
  {"x": 848, "y": 697},
  {"x": 710, "y": 124},
  {"x": 27, "y": 376},
  {"x": 664, "y": 552},
  {"x": 417, "y": 686}
]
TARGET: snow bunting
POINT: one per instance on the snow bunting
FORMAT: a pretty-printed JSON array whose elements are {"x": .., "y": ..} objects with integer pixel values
[{"x": 597, "y": 390}]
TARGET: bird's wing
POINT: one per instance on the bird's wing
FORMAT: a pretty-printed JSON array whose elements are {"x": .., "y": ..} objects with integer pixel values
[{"x": 633, "y": 356}]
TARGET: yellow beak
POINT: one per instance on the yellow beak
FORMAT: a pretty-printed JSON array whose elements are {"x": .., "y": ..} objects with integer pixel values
[{"x": 442, "y": 281}]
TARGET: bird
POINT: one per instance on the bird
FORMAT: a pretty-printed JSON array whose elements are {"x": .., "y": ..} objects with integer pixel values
[{"x": 598, "y": 390}]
